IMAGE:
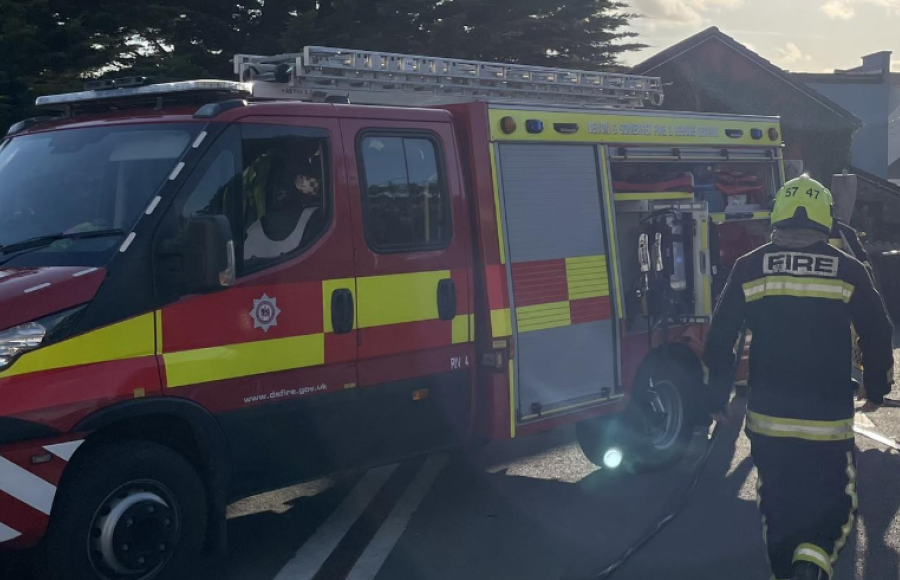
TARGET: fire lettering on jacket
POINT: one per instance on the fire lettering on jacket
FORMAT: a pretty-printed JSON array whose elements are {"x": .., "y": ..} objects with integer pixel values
[{"x": 800, "y": 264}]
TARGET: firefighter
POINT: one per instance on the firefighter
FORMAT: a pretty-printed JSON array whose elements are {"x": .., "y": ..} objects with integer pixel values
[
  {"x": 844, "y": 237},
  {"x": 798, "y": 296}
]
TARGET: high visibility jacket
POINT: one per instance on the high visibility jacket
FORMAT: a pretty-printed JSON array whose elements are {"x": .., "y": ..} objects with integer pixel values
[{"x": 798, "y": 304}]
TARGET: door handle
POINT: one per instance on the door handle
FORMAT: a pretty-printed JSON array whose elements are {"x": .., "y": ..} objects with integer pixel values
[
  {"x": 342, "y": 311},
  {"x": 446, "y": 299}
]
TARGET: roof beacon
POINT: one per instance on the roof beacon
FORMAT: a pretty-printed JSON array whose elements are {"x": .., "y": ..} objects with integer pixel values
[{"x": 131, "y": 92}]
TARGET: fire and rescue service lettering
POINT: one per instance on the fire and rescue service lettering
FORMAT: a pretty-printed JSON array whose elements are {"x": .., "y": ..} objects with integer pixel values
[
  {"x": 652, "y": 130},
  {"x": 800, "y": 264}
]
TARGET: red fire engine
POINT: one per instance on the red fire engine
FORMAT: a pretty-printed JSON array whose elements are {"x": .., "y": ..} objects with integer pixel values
[{"x": 210, "y": 288}]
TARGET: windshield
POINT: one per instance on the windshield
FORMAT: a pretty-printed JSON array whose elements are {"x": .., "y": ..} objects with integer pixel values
[{"x": 69, "y": 184}]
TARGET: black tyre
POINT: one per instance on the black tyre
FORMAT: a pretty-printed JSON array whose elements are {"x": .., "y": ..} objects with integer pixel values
[
  {"x": 126, "y": 511},
  {"x": 655, "y": 430},
  {"x": 662, "y": 417}
]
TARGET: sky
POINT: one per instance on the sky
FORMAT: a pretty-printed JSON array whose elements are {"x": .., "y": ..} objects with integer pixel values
[{"x": 797, "y": 35}]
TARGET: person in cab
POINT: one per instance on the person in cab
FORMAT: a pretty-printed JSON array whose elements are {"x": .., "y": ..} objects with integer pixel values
[
  {"x": 799, "y": 295},
  {"x": 293, "y": 213}
]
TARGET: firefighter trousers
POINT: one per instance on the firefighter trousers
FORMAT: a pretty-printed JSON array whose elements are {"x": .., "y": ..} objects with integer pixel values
[{"x": 806, "y": 492}]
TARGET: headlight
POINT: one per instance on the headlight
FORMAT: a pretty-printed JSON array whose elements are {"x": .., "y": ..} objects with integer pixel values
[
  {"x": 18, "y": 340},
  {"x": 21, "y": 339}
]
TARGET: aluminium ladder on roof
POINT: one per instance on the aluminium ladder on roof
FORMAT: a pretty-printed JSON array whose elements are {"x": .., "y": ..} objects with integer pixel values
[{"x": 385, "y": 78}]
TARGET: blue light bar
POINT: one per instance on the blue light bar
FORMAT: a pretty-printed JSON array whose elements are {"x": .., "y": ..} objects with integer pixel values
[{"x": 158, "y": 90}]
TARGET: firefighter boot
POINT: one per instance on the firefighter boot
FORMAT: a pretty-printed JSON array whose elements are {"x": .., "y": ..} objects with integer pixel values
[{"x": 807, "y": 571}]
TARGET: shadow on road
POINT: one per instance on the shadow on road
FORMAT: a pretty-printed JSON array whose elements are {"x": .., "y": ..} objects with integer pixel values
[
  {"x": 718, "y": 533},
  {"x": 879, "y": 503},
  {"x": 545, "y": 509}
]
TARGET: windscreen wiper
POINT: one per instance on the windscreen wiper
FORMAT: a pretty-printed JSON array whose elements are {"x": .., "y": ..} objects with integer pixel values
[{"x": 43, "y": 241}]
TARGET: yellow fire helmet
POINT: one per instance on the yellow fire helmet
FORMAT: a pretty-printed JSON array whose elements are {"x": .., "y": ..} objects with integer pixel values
[{"x": 803, "y": 202}]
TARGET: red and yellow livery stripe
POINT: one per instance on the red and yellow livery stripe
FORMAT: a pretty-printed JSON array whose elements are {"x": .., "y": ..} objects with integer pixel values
[
  {"x": 213, "y": 338},
  {"x": 556, "y": 293},
  {"x": 210, "y": 338}
]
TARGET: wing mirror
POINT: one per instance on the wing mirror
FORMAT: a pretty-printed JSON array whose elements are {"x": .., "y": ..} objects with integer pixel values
[
  {"x": 209, "y": 262},
  {"x": 200, "y": 259}
]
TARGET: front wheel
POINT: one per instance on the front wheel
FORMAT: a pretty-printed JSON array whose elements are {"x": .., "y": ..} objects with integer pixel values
[{"x": 127, "y": 511}]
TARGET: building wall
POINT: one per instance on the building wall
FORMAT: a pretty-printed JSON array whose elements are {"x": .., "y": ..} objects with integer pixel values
[
  {"x": 894, "y": 134},
  {"x": 869, "y": 102},
  {"x": 714, "y": 78}
]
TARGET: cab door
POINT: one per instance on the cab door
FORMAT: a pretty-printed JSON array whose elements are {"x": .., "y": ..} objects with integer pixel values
[
  {"x": 273, "y": 357},
  {"x": 415, "y": 351}
]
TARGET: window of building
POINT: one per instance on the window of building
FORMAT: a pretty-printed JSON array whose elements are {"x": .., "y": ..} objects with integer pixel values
[{"x": 405, "y": 197}]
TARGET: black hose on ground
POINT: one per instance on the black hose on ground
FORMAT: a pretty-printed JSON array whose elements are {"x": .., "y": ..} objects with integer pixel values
[
  {"x": 671, "y": 515},
  {"x": 686, "y": 496}
]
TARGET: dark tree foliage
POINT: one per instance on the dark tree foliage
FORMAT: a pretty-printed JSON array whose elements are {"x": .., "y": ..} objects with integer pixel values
[
  {"x": 49, "y": 46},
  {"x": 45, "y": 47},
  {"x": 587, "y": 34}
]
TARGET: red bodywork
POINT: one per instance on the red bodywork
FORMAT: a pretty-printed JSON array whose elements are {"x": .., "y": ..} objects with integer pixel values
[{"x": 58, "y": 399}]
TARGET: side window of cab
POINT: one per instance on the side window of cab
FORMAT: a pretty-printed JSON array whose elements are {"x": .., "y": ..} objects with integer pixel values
[
  {"x": 286, "y": 193},
  {"x": 272, "y": 183},
  {"x": 405, "y": 198}
]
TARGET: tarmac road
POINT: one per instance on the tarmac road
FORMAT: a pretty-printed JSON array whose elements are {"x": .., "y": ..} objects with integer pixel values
[{"x": 536, "y": 509}]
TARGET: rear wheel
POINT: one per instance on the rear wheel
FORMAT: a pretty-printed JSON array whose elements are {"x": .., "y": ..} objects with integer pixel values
[
  {"x": 655, "y": 430},
  {"x": 663, "y": 429},
  {"x": 129, "y": 511}
]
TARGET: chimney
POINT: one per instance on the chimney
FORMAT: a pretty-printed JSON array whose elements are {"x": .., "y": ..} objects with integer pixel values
[{"x": 877, "y": 62}]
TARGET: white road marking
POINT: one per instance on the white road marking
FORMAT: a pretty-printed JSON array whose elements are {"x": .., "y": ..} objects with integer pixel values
[
  {"x": 310, "y": 557},
  {"x": 7, "y": 533},
  {"x": 26, "y": 486},
  {"x": 64, "y": 451},
  {"x": 372, "y": 559},
  {"x": 862, "y": 420},
  {"x": 864, "y": 426}
]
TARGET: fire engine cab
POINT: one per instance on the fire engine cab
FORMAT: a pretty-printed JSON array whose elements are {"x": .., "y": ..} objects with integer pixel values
[{"x": 209, "y": 289}]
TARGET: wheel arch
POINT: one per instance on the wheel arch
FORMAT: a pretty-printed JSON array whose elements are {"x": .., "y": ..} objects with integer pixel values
[{"x": 181, "y": 425}]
